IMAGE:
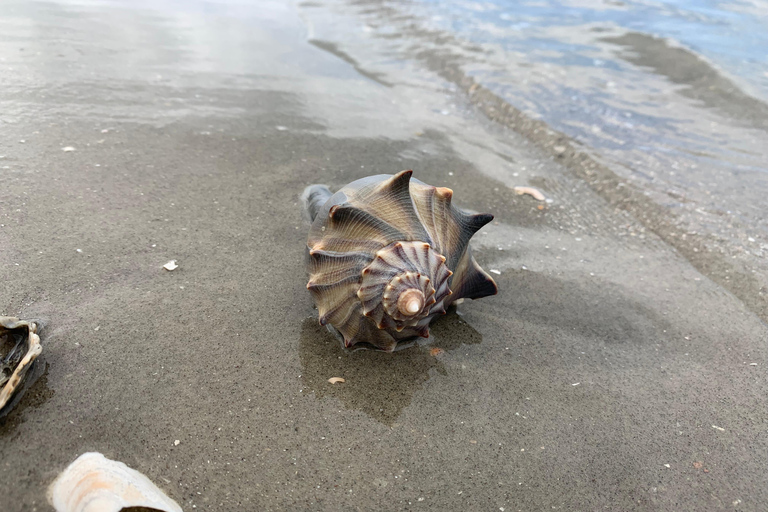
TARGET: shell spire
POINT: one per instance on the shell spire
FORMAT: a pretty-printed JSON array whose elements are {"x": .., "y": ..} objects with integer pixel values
[{"x": 386, "y": 255}]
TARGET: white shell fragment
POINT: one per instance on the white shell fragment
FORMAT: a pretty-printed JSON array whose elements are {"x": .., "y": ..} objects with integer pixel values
[
  {"x": 334, "y": 380},
  {"x": 93, "y": 483},
  {"x": 24, "y": 344},
  {"x": 171, "y": 265},
  {"x": 68, "y": 149},
  {"x": 535, "y": 193}
]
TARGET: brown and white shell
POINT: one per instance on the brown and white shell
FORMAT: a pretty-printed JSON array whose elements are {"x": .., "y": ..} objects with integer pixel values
[{"x": 386, "y": 255}]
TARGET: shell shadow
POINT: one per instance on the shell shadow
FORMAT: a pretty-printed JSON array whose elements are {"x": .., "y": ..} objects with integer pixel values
[{"x": 379, "y": 384}]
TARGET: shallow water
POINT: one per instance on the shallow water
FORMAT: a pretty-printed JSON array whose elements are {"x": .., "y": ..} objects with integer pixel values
[{"x": 675, "y": 93}]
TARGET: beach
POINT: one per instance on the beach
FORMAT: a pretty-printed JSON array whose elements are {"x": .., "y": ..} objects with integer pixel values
[{"x": 620, "y": 367}]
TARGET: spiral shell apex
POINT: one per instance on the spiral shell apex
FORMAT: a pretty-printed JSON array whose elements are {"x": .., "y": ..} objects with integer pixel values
[{"x": 387, "y": 254}]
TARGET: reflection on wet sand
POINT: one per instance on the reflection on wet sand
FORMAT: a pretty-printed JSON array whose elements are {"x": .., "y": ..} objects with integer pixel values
[{"x": 379, "y": 384}]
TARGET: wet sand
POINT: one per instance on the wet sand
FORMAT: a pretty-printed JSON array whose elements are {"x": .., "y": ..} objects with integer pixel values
[{"x": 608, "y": 373}]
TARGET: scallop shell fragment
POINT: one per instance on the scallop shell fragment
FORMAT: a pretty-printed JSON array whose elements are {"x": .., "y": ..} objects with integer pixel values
[
  {"x": 386, "y": 255},
  {"x": 20, "y": 345},
  {"x": 94, "y": 483}
]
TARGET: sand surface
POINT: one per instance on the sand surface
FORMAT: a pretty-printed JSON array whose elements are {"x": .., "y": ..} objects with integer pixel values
[{"x": 607, "y": 374}]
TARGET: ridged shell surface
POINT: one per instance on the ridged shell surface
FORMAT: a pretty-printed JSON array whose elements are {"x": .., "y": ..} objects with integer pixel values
[{"x": 387, "y": 254}]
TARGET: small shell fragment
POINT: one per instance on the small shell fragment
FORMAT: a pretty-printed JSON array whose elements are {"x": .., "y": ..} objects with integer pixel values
[
  {"x": 171, "y": 265},
  {"x": 93, "y": 483},
  {"x": 334, "y": 380},
  {"x": 535, "y": 193},
  {"x": 68, "y": 149}
]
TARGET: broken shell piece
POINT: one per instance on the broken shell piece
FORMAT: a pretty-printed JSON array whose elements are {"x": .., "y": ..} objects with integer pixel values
[
  {"x": 93, "y": 483},
  {"x": 171, "y": 265},
  {"x": 535, "y": 193},
  {"x": 334, "y": 380},
  {"x": 19, "y": 347}
]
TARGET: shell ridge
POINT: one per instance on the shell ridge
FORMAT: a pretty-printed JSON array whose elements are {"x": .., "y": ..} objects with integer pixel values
[
  {"x": 321, "y": 253},
  {"x": 358, "y": 245},
  {"x": 320, "y": 287},
  {"x": 427, "y": 195},
  {"x": 356, "y": 221},
  {"x": 450, "y": 229},
  {"x": 422, "y": 196},
  {"x": 422, "y": 256},
  {"x": 330, "y": 315},
  {"x": 377, "y": 315},
  {"x": 343, "y": 321},
  {"x": 435, "y": 211},
  {"x": 392, "y": 258},
  {"x": 393, "y": 199}
]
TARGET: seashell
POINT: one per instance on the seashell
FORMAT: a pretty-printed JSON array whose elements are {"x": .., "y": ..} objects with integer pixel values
[
  {"x": 93, "y": 483},
  {"x": 20, "y": 347},
  {"x": 387, "y": 254}
]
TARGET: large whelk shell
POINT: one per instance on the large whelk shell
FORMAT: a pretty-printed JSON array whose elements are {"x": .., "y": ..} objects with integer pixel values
[
  {"x": 387, "y": 254},
  {"x": 20, "y": 345},
  {"x": 93, "y": 483}
]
